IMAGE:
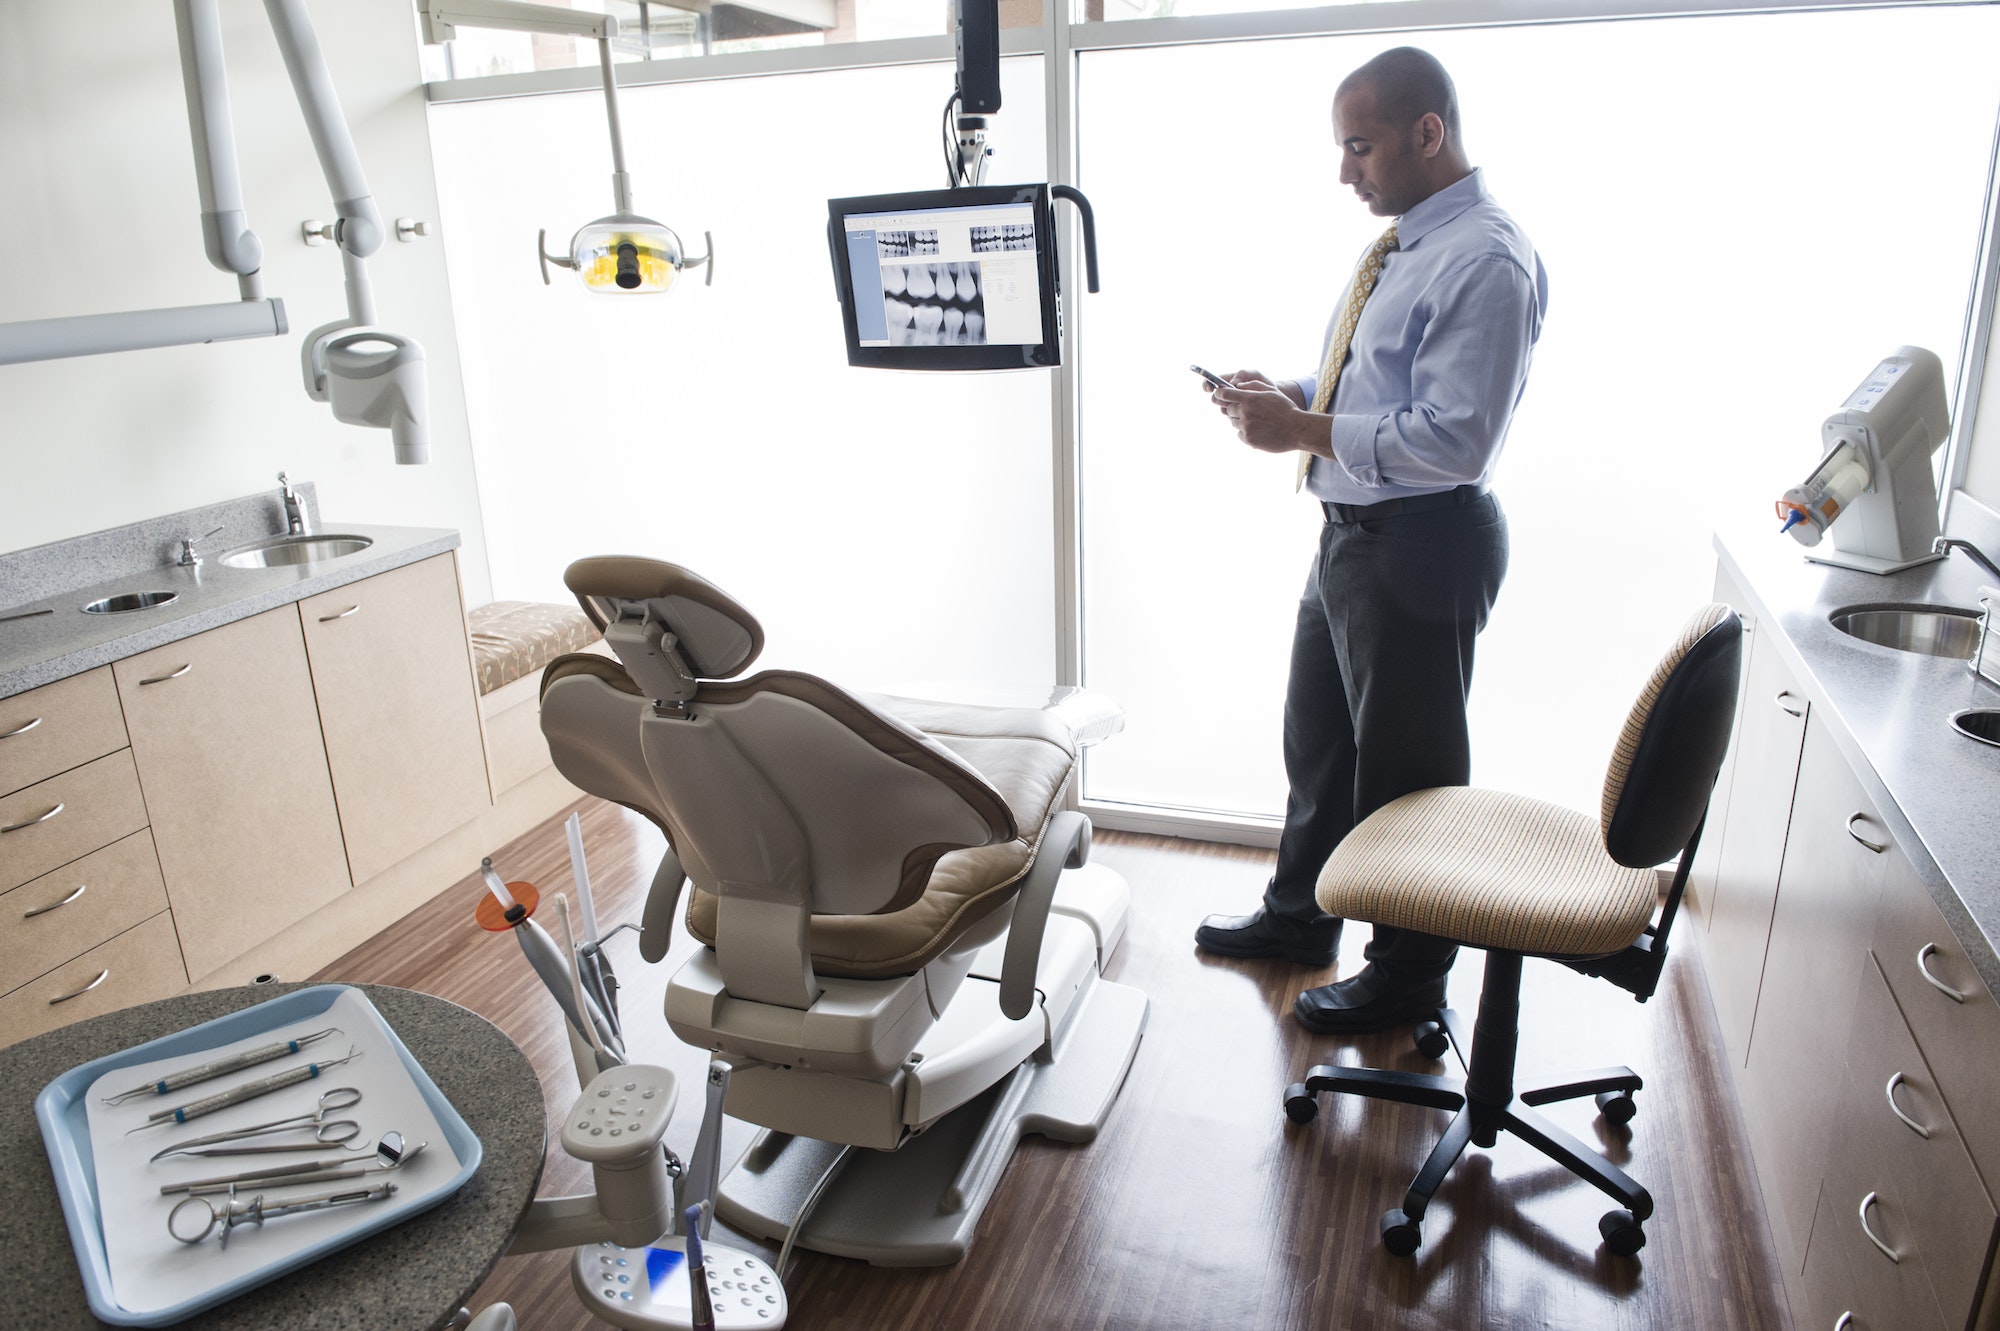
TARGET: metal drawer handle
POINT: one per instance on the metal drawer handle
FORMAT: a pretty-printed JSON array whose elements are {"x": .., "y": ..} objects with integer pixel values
[
  {"x": 1780, "y": 700},
  {"x": 1896, "y": 1109},
  {"x": 59, "y": 808},
  {"x": 21, "y": 730},
  {"x": 328, "y": 619},
  {"x": 1922, "y": 954},
  {"x": 102, "y": 976},
  {"x": 1846, "y": 1320},
  {"x": 81, "y": 888},
  {"x": 1887, "y": 1251},
  {"x": 161, "y": 679},
  {"x": 1861, "y": 817}
]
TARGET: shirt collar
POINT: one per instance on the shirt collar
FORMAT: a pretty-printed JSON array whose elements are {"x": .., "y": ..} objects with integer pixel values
[{"x": 1441, "y": 207}]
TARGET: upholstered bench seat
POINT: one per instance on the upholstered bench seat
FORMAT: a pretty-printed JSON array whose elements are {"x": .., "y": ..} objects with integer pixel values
[
  {"x": 1490, "y": 869},
  {"x": 513, "y": 639}
]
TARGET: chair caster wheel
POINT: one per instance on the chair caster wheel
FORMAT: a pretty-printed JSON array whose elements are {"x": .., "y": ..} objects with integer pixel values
[
  {"x": 1621, "y": 1232},
  {"x": 1432, "y": 1042},
  {"x": 1616, "y": 1106},
  {"x": 1400, "y": 1234},
  {"x": 1301, "y": 1105}
]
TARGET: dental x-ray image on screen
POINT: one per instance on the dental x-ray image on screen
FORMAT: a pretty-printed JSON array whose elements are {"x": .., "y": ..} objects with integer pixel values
[
  {"x": 934, "y": 304},
  {"x": 958, "y": 279}
]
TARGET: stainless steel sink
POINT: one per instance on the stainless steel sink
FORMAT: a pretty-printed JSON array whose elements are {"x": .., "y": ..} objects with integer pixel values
[
  {"x": 1928, "y": 629},
  {"x": 118, "y": 605},
  {"x": 1980, "y": 723},
  {"x": 284, "y": 550}
]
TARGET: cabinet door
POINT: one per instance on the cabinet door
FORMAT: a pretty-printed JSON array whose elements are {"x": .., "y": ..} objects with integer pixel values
[
  {"x": 1770, "y": 727},
  {"x": 399, "y": 709},
  {"x": 226, "y": 736},
  {"x": 1820, "y": 932}
]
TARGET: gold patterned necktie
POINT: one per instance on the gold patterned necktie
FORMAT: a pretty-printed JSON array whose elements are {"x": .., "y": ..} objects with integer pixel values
[{"x": 1365, "y": 276}]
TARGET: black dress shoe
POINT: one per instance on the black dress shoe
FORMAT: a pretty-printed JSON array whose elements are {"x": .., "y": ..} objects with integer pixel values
[
  {"x": 1366, "y": 1002},
  {"x": 1262, "y": 934}
]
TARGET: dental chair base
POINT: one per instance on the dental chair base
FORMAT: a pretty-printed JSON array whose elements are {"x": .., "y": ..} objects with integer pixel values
[
  {"x": 646, "y": 1289},
  {"x": 920, "y": 1204}
]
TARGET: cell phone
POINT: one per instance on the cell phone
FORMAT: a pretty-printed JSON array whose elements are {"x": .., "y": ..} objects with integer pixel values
[{"x": 1212, "y": 377}]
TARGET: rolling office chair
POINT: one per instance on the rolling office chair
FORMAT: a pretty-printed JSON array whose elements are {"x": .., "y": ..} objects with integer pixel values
[
  {"x": 1520, "y": 878},
  {"x": 903, "y": 939}
]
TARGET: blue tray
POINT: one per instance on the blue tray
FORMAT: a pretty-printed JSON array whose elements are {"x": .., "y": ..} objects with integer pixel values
[{"x": 66, "y": 1134}]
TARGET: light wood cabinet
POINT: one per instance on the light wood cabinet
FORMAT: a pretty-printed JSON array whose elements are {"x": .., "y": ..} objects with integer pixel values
[
  {"x": 70, "y": 910},
  {"x": 137, "y": 966},
  {"x": 399, "y": 710},
  {"x": 58, "y": 726},
  {"x": 226, "y": 735},
  {"x": 1743, "y": 889},
  {"x": 1820, "y": 930}
]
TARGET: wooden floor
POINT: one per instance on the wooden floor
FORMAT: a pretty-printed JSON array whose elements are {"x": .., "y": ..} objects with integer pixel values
[{"x": 1199, "y": 1206}]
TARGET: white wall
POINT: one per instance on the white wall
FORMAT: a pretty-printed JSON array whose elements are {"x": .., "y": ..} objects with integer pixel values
[{"x": 99, "y": 212}]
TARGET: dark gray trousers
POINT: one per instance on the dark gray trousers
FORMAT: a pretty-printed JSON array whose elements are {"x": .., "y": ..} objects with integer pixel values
[{"x": 1375, "y": 703}]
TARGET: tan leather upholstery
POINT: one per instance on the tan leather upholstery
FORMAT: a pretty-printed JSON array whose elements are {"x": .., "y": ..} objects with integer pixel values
[{"x": 719, "y": 636}]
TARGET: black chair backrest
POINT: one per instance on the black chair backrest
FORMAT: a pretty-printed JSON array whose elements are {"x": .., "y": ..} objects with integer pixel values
[{"x": 1672, "y": 766}]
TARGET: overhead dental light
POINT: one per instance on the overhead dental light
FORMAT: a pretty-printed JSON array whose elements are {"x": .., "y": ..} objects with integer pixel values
[{"x": 623, "y": 254}]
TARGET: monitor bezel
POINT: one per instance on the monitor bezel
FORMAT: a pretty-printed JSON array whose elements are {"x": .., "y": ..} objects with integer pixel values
[{"x": 1016, "y": 356}]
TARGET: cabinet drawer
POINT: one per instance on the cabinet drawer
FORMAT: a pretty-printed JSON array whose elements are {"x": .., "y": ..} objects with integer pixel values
[
  {"x": 93, "y": 806},
  {"x": 58, "y": 726},
  {"x": 1855, "y": 1291},
  {"x": 63, "y": 914},
  {"x": 1959, "y": 1036},
  {"x": 138, "y": 966},
  {"x": 1946, "y": 1216}
]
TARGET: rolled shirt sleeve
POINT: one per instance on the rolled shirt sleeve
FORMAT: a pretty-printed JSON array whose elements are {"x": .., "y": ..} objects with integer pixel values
[{"x": 1471, "y": 358}]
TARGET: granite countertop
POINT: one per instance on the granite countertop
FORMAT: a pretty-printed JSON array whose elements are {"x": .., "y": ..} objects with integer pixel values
[
  {"x": 1889, "y": 712},
  {"x": 414, "y": 1274},
  {"x": 65, "y": 576}
]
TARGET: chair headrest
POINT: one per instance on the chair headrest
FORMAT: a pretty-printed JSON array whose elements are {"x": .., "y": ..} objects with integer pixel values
[{"x": 717, "y": 636}]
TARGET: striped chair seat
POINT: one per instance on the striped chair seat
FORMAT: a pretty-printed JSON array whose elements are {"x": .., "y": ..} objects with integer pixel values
[{"x": 1491, "y": 870}]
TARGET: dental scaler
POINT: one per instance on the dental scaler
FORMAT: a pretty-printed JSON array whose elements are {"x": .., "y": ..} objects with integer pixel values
[{"x": 1875, "y": 475}]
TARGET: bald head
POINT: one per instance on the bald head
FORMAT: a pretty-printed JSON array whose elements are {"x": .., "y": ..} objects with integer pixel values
[
  {"x": 1396, "y": 120},
  {"x": 1408, "y": 84}
]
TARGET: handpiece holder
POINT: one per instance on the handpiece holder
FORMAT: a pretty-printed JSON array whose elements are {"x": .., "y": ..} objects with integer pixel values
[{"x": 1874, "y": 477}]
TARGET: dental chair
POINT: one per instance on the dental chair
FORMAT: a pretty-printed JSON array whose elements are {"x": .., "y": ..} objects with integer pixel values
[{"x": 903, "y": 940}]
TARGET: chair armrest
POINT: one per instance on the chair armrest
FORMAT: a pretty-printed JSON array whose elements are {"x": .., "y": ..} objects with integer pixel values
[
  {"x": 1066, "y": 845},
  {"x": 656, "y": 922}
]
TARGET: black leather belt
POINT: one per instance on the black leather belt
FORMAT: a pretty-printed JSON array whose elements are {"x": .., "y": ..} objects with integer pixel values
[{"x": 1389, "y": 508}]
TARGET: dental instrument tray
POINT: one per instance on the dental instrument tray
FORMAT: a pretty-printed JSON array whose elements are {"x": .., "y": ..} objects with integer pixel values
[{"x": 136, "y": 1273}]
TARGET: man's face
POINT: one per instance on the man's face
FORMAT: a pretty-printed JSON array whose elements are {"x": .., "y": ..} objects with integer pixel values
[{"x": 1383, "y": 163}]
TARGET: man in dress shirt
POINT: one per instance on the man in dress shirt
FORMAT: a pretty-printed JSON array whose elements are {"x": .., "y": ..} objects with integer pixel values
[{"x": 1414, "y": 545}]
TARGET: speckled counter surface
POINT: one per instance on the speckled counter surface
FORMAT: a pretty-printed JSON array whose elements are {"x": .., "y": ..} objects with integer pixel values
[
  {"x": 412, "y": 1275},
  {"x": 1889, "y": 711},
  {"x": 65, "y": 576}
]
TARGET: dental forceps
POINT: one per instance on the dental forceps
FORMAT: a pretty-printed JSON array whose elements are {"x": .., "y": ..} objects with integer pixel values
[
  {"x": 249, "y": 1058},
  {"x": 326, "y": 1135},
  {"x": 247, "y": 1091},
  {"x": 254, "y": 1211}
]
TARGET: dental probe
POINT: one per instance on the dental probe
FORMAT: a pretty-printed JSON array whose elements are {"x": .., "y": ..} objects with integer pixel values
[
  {"x": 249, "y": 1058},
  {"x": 247, "y": 1091}
]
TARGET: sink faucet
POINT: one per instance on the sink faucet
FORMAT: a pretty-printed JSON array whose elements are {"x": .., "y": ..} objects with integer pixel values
[
  {"x": 298, "y": 524},
  {"x": 1943, "y": 545}
]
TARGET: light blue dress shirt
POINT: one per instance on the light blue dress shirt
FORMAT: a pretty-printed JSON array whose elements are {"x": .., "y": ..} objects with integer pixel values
[{"x": 1439, "y": 357}]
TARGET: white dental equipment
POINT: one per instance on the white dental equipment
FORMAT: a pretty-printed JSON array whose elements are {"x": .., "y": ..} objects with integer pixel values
[
  {"x": 366, "y": 387},
  {"x": 631, "y": 1219},
  {"x": 1875, "y": 475},
  {"x": 620, "y": 254}
]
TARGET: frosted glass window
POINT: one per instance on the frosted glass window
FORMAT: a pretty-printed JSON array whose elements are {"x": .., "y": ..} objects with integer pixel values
[
  {"x": 1739, "y": 215},
  {"x": 885, "y": 526}
]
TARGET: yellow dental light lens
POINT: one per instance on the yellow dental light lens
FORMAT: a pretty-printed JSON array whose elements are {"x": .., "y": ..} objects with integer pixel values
[{"x": 625, "y": 261}]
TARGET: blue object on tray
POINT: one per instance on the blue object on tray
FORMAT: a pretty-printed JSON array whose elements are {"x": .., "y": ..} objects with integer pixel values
[{"x": 61, "y": 1111}]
